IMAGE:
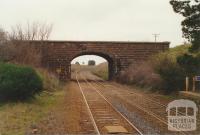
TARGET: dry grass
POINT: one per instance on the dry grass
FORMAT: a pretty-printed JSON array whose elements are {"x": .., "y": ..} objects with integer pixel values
[
  {"x": 100, "y": 70},
  {"x": 68, "y": 117},
  {"x": 75, "y": 68},
  {"x": 17, "y": 118},
  {"x": 50, "y": 81},
  {"x": 141, "y": 74}
]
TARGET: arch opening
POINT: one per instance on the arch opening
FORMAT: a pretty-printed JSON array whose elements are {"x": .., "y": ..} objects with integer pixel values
[{"x": 92, "y": 64}]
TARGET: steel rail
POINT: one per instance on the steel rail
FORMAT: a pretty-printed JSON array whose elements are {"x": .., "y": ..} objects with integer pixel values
[
  {"x": 88, "y": 107},
  {"x": 133, "y": 126},
  {"x": 147, "y": 99},
  {"x": 146, "y": 111}
]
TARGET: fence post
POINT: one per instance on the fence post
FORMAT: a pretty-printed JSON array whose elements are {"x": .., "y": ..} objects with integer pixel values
[
  {"x": 187, "y": 83},
  {"x": 193, "y": 88}
]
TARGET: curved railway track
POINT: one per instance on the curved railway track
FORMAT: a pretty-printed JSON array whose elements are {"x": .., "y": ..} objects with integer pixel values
[{"x": 103, "y": 114}]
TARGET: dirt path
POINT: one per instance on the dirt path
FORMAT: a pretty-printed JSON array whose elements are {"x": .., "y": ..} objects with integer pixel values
[{"x": 69, "y": 117}]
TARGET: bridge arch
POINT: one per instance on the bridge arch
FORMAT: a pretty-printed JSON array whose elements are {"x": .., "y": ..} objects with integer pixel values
[
  {"x": 110, "y": 59},
  {"x": 56, "y": 56}
]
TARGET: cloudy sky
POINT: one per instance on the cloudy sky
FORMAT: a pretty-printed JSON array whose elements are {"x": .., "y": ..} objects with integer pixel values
[{"x": 116, "y": 20}]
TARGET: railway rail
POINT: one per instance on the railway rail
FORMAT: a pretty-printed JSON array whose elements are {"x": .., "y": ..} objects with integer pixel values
[
  {"x": 143, "y": 103},
  {"x": 148, "y": 99},
  {"x": 104, "y": 116}
]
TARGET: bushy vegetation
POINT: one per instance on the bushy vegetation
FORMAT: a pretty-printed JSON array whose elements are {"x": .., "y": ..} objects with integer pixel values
[
  {"x": 91, "y": 63},
  {"x": 165, "y": 71},
  {"x": 165, "y": 64},
  {"x": 18, "y": 83},
  {"x": 141, "y": 75},
  {"x": 50, "y": 81},
  {"x": 170, "y": 72},
  {"x": 16, "y": 46},
  {"x": 189, "y": 9},
  {"x": 190, "y": 64}
]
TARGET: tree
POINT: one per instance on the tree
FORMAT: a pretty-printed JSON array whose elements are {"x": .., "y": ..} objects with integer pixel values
[
  {"x": 190, "y": 10},
  {"x": 21, "y": 38},
  {"x": 77, "y": 63},
  {"x": 91, "y": 63},
  {"x": 190, "y": 64},
  {"x": 5, "y": 49},
  {"x": 3, "y": 36},
  {"x": 30, "y": 32}
]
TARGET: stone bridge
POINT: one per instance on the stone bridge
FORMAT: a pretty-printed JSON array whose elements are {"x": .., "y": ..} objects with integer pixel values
[{"x": 57, "y": 55}]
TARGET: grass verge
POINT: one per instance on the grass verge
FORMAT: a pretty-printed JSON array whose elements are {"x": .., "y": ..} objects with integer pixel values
[
  {"x": 101, "y": 73},
  {"x": 101, "y": 70},
  {"x": 17, "y": 118}
]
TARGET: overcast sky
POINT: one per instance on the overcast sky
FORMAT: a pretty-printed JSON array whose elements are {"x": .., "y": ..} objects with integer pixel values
[
  {"x": 83, "y": 60},
  {"x": 116, "y": 20}
]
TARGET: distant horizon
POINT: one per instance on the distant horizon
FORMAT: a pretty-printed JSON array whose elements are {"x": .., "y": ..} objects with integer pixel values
[
  {"x": 87, "y": 63},
  {"x": 86, "y": 58}
]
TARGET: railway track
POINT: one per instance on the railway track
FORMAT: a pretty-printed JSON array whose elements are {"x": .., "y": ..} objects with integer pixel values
[
  {"x": 147, "y": 105},
  {"x": 104, "y": 116},
  {"x": 149, "y": 100}
]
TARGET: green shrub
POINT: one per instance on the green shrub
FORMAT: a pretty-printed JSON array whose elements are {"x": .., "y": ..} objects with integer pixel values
[
  {"x": 164, "y": 72},
  {"x": 172, "y": 74},
  {"x": 189, "y": 63},
  {"x": 18, "y": 83}
]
